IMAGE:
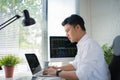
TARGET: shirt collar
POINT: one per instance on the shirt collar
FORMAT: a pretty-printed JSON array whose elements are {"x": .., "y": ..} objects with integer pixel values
[{"x": 84, "y": 38}]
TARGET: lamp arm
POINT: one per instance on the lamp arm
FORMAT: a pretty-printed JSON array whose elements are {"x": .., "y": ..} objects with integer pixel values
[{"x": 9, "y": 21}]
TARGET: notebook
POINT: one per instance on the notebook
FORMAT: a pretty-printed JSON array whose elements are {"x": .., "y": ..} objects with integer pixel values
[{"x": 35, "y": 66}]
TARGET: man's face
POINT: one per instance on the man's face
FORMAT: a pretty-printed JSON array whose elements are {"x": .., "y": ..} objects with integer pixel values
[{"x": 71, "y": 32}]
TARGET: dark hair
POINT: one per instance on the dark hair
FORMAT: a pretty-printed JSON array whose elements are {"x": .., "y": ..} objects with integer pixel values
[{"x": 74, "y": 20}]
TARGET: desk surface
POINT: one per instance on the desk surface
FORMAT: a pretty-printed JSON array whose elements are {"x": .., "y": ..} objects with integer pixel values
[
  {"x": 31, "y": 78},
  {"x": 26, "y": 76}
]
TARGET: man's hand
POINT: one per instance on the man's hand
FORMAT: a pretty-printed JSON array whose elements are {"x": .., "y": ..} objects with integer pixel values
[{"x": 51, "y": 70}]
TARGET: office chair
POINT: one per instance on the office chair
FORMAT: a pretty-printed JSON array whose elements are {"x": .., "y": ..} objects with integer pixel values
[{"x": 115, "y": 62}]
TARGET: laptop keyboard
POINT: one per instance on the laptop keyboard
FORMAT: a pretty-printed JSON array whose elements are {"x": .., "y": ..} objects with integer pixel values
[{"x": 40, "y": 74}]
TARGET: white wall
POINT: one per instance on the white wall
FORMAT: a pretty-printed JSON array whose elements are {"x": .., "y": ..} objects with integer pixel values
[
  {"x": 102, "y": 19},
  {"x": 85, "y": 13},
  {"x": 105, "y": 20}
]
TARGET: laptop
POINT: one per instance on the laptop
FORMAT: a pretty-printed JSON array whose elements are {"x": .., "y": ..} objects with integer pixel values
[{"x": 35, "y": 66}]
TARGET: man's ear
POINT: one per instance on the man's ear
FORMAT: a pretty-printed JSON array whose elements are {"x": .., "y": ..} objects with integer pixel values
[{"x": 77, "y": 26}]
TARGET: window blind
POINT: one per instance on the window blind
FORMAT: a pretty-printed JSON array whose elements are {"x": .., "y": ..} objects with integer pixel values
[{"x": 9, "y": 37}]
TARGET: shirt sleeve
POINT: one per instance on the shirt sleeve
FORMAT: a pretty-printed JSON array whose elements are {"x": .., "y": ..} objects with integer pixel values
[
  {"x": 74, "y": 63},
  {"x": 82, "y": 70},
  {"x": 85, "y": 71}
]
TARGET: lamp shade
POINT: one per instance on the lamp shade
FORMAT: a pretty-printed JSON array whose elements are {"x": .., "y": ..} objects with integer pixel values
[{"x": 27, "y": 21}]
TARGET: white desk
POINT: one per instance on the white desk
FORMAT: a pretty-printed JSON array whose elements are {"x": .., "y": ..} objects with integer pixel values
[
  {"x": 31, "y": 78},
  {"x": 26, "y": 75}
]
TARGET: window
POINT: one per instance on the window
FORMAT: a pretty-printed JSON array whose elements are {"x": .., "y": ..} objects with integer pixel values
[
  {"x": 58, "y": 10},
  {"x": 18, "y": 39}
]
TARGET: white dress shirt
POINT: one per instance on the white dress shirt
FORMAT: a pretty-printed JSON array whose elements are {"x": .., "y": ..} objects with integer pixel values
[{"x": 89, "y": 61}]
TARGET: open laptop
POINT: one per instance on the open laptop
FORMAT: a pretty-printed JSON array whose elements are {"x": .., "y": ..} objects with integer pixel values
[{"x": 35, "y": 66}]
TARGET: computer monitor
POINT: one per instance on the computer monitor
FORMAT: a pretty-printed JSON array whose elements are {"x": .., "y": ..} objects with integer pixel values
[{"x": 61, "y": 49}]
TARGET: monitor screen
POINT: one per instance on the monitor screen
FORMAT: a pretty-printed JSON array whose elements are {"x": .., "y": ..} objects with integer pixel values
[{"x": 61, "y": 47}]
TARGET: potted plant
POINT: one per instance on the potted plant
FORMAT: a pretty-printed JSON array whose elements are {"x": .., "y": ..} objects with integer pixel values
[
  {"x": 108, "y": 53},
  {"x": 9, "y": 61}
]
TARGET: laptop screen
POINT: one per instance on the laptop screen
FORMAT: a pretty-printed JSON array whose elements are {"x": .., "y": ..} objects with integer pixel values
[{"x": 33, "y": 63}]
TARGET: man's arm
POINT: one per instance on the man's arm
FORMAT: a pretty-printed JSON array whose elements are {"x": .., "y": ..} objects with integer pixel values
[
  {"x": 68, "y": 75},
  {"x": 68, "y": 67},
  {"x": 68, "y": 72}
]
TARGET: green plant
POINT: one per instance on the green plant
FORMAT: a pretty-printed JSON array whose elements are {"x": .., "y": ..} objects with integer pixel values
[
  {"x": 107, "y": 53},
  {"x": 9, "y": 60}
]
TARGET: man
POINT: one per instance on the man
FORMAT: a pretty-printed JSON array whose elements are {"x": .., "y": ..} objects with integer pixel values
[{"x": 89, "y": 63}]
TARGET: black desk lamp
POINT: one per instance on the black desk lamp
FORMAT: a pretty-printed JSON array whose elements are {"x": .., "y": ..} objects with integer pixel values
[{"x": 26, "y": 22}]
